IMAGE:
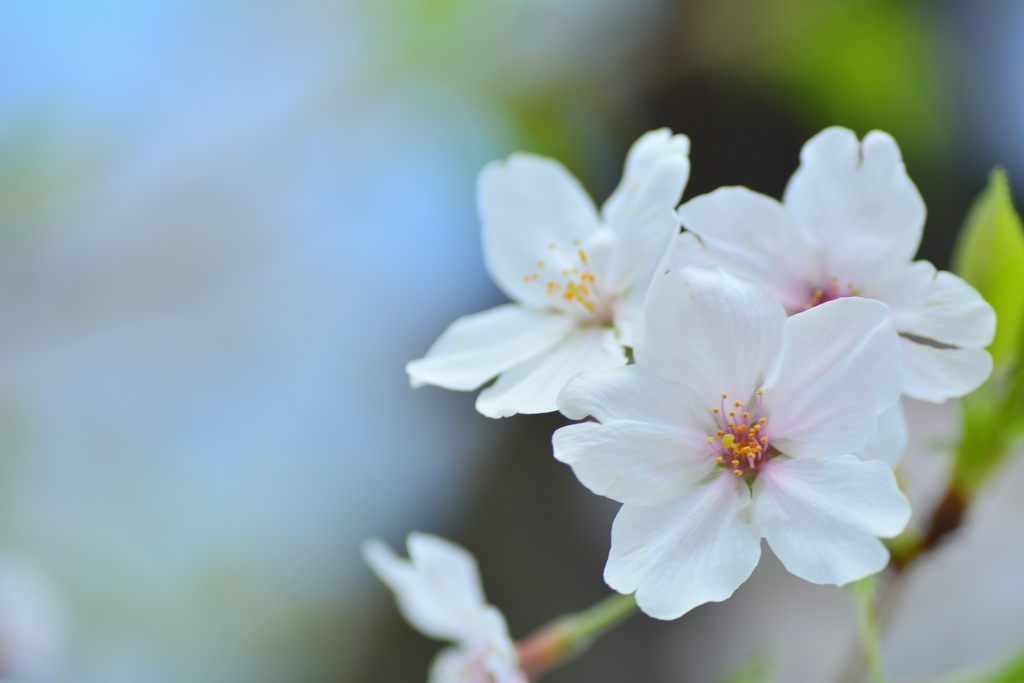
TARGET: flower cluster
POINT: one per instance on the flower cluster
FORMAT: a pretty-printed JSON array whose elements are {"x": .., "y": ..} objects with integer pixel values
[{"x": 735, "y": 381}]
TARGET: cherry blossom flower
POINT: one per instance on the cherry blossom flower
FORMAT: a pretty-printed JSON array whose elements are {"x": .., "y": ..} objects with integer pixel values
[
  {"x": 578, "y": 277},
  {"x": 735, "y": 423},
  {"x": 850, "y": 222},
  {"x": 439, "y": 593}
]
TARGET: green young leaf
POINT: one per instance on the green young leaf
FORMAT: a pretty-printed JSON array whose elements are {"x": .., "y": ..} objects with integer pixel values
[{"x": 990, "y": 256}]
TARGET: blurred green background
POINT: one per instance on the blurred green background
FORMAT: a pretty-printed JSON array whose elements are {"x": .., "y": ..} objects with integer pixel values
[{"x": 225, "y": 227}]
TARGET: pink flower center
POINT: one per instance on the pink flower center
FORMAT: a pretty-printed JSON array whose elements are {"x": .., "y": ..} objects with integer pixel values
[
  {"x": 740, "y": 443},
  {"x": 830, "y": 292}
]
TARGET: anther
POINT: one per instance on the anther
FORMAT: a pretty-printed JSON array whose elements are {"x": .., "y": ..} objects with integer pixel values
[
  {"x": 735, "y": 463},
  {"x": 716, "y": 410},
  {"x": 551, "y": 246},
  {"x": 746, "y": 415},
  {"x": 736, "y": 404},
  {"x": 540, "y": 264},
  {"x": 764, "y": 439},
  {"x": 732, "y": 413},
  {"x": 762, "y": 420},
  {"x": 724, "y": 395},
  {"x": 719, "y": 433},
  {"x": 711, "y": 439},
  {"x": 760, "y": 391},
  {"x": 575, "y": 243},
  {"x": 737, "y": 473}
]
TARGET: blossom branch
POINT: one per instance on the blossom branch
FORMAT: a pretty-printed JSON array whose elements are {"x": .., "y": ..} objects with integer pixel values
[{"x": 571, "y": 635}]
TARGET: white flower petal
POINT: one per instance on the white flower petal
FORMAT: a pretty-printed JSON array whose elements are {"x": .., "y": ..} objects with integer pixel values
[
  {"x": 855, "y": 201},
  {"x": 823, "y": 516},
  {"x": 526, "y": 204},
  {"x": 640, "y": 212},
  {"x": 477, "y": 347},
  {"x": 889, "y": 440},
  {"x": 839, "y": 368},
  {"x": 446, "y": 565},
  {"x": 442, "y": 610},
  {"x": 690, "y": 251},
  {"x": 628, "y": 304},
  {"x": 635, "y": 462},
  {"x": 939, "y": 306},
  {"x": 755, "y": 236},
  {"x": 476, "y": 665},
  {"x": 533, "y": 385},
  {"x": 711, "y": 330},
  {"x": 933, "y": 374},
  {"x": 634, "y": 393},
  {"x": 679, "y": 555}
]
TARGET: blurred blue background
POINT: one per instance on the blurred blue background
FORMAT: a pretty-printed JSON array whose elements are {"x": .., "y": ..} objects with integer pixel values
[{"x": 225, "y": 227}]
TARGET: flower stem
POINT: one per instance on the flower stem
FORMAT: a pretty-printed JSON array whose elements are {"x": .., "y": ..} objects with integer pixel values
[
  {"x": 864, "y": 594},
  {"x": 570, "y": 635}
]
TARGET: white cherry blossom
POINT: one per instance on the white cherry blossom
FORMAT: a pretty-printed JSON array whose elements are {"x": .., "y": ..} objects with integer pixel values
[
  {"x": 439, "y": 593},
  {"x": 850, "y": 224},
  {"x": 578, "y": 277},
  {"x": 738, "y": 422}
]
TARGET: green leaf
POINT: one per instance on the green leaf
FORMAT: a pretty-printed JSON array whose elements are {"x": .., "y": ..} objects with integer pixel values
[{"x": 990, "y": 256}]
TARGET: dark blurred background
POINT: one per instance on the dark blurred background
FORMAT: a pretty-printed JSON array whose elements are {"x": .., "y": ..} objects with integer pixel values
[{"x": 225, "y": 227}]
